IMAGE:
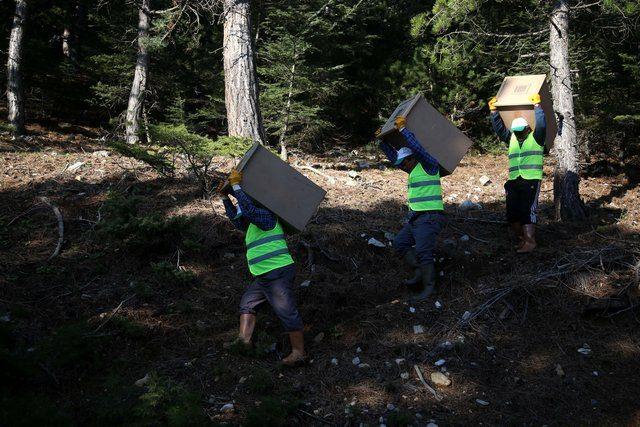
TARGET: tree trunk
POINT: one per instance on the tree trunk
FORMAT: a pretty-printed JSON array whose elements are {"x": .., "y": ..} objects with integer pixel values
[
  {"x": 287, "y": 112},
  {"x": 67, "y": 49},
  {"x": 566, "y": 180},
  {"x": 136, "y": 97},
  {"x": 240, "y": 77},
  {"x": 15, "y": 95}
]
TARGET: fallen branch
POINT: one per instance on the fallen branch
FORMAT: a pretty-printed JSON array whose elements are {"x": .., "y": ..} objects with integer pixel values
[
  {"x": 468, "y": 234},
  {"x": 329, "y": 178},
  {"x": 322, "y": 420},
  {"x": 58, "y": 215},
  {"x": 427, "y": 386},
  {"x": 113, "y": 313},
  {"x": 488, "y": 221}
]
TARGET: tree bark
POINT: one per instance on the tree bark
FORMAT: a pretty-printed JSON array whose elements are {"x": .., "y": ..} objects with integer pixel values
[
  {"x": 15, "y": 95},
  {"x": 287, "y": 112},
  {"x": 240, "y": 78},
  {"x": 67, "y": 49},
  {"x": 138, "y": 87},
  {"x": 568, "y": 204}
]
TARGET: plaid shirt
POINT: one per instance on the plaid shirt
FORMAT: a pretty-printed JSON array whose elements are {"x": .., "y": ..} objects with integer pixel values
[
  {"x": 429, "y": 163},
  {"x": 247, "y": 212}
]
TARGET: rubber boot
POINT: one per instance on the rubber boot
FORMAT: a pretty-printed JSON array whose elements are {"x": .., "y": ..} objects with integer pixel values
[
  {"x": 427, "y": 285},
  {"x": 297, "y": 356},
  {"x": 242, "y": 344},
  {"x": 410, "y": 258},
  {"x": 518, "y": 232},
  {"x": 529, "y": 239}
]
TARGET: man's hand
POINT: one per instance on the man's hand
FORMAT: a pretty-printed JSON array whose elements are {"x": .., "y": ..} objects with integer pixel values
[
  {"x": 223, "y": 189},
  {"x": 400, "y": 122},
  {"x": 535, "y": 98},
  {"x": 235, "y": 177},
  {"x": 377, "y": 134},
  {"x": 492, "y": 103}
]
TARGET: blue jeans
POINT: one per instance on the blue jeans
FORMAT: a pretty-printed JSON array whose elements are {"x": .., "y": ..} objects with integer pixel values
[
  {"x": 276, "y": 288},
  {"x": 422, "y": 232}
]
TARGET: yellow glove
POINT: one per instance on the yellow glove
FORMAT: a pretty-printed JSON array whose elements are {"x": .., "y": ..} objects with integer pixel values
[
  {"x": 400, "y": 122},
  {"x": 535, "y": 98},
  {"x": 235, "y": 177},
  {"x": 378, "y": 131},
  {"x": 492, "y": 103}
]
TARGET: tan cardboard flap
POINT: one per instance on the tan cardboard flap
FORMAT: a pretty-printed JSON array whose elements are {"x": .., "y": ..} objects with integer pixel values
[
  {"x": 293, "y": 197},
  {"x": 513, "y": 101}
]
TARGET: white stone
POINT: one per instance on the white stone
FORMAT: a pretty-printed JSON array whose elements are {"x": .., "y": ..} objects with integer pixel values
[
  {"x": 390, "y": 406},
  {"x": 74, "y": 167},
  {"x": 482, "y": 402},
  {"x": 485, "y": 180},
  {"x": 227, "y": 407},
  {"x": 142, "y": 381},
  {"x": 334, "y": 361},
  {"x": 440, "y": 362},
  {"x": 464, "y": 238},
  {"x": 466, "y": 315},
  {"x": 399, "y": 361},
  {"x": 305, "y": 284},
  {"x": 404, "y": 375},
  {"x": 438, "y": 304},
  {"x": 412, "y": 310},
  {"x": 439, "y": 378},
  {"x": 358, "y": 350},
  {"x": 375, "y": 242},
  {"x": 418, "y": 329},
  {"x": 355, "y": 360}
]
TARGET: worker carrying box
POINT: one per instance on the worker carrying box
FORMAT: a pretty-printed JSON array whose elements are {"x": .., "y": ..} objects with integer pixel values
[
  {"x": 271, "y": 199},
  {"x": 522, "y": 117},
  {"x": 424, "y": 144}
]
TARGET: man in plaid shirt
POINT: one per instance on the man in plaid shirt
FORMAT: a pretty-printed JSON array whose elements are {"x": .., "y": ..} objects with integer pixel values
[
  {"x": 417, "y": 239},
  {"x": 272, "y": 267}
]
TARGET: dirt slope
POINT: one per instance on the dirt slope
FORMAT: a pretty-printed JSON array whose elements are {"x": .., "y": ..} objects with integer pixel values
[{"x": 549, "y": 338}]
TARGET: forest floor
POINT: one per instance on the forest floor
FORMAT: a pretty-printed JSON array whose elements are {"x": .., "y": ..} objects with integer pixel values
[{"x": 126, "y": 324}]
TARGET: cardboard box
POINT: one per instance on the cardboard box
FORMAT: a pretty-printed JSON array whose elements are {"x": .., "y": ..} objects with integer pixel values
[
  {"x": 513, "y": 101},
  {"x": 293, "y": 197},
  {"x": 436, "y": 133}
]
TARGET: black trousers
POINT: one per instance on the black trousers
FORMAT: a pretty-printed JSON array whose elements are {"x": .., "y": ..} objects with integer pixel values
[{"x": 522, "y": 200}]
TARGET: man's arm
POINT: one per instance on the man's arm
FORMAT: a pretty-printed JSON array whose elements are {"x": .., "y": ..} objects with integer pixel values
[
  {"x": 263, "y": 218},
  {"x": 540, "y": 133},
  {"x": 499, "y": 128},
  {"x": 234, "y": 214},
  {"x": 429, "y": 163},
  {"x": 390, "y": 152}
]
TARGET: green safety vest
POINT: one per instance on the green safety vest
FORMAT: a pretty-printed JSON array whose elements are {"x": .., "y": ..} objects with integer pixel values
[
  {"x": 425, "y": 192},
  {"x": 526, "y": 160},
  {"x": 266, "y": 250}
]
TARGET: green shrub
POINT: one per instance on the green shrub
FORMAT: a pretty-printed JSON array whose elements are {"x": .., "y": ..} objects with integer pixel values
[
  {"x": 261, "y": 381},
  {"x": 175, "y": 140},
  {"x": 149, "y": 234},
  {"x": 165, "y": 272},
  {"x": 271, "y": 412},
  {"x": 168, "y": 403}
]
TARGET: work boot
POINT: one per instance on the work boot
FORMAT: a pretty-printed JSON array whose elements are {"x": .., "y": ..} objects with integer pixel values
[
  {"x": 518, "y": 232},
  {"x": 529, "y": 239},
  {"x": 410, "y": 258},
  {"x": 427, "y": 283},
  {"x": 297, "y": 357}
]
